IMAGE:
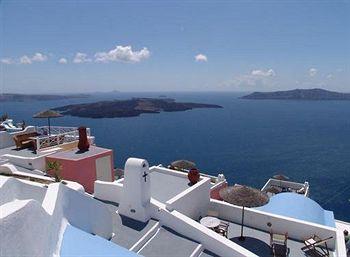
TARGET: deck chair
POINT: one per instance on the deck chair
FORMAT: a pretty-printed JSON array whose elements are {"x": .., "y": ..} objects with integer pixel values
[
  {"x": 316, "y": 246},
  {"x": 278, "y": 244},
  {"x": 223, "y": 228}
]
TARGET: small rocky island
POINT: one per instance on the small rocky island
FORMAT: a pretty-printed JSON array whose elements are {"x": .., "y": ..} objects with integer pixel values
[
  {"x": 299, "y": 94},
  {"x": 8, "y": 97},
  {"x": 129, "y": 108}
]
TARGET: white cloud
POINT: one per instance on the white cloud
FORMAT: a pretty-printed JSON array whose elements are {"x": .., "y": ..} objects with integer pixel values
[
  {"x": 25, "y": 60},
  {"x": 329, "y": 76},
  {"x": 312, "y": 72},
  {"x": 201, "y": 58},
  {"x": 122, "y": 54},
  {"x": 7, "y": 61},
  {"x": 37, "y": 57},
  {"x": 62, "y": 61},
  {"x": 81, "y": 58},
  {"x": 256, "y": 79},
  {"x": 264, "y": 73}
]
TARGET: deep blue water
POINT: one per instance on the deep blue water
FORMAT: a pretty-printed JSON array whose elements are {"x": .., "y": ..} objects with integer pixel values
[{"x": 247, "y": 140}]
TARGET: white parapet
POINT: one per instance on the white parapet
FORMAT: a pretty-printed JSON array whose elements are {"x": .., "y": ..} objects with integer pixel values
[{"x": 135, "y": 202}]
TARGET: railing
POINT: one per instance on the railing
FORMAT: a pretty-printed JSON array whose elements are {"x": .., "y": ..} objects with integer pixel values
[
  {"x": 55, "y": 130},
  {"x": 303, "y": 188},
  {"x": 58, "y": 136}
]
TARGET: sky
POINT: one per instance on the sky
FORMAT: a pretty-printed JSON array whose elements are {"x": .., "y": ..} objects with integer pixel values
[{"x": 86, "y": 46}]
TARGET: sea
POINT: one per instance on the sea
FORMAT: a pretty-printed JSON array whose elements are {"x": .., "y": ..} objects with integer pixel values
[{"x": 247, "y": 140}]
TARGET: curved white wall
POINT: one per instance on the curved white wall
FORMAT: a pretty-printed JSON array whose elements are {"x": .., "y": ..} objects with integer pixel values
[{"x": 35, "y": 227}]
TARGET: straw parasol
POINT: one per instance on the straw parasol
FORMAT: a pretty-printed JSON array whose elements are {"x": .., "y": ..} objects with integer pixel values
[
  {"x": 281, "y": 177},
  {"x": 273, "y": 190},
  {"x": 183, "y": 164},
  {"x": 48, "y": 114},
  {"x": 243, "y": 196}
]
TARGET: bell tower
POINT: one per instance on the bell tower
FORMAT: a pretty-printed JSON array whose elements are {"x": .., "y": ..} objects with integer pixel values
[{"x": 136, "y": 198}]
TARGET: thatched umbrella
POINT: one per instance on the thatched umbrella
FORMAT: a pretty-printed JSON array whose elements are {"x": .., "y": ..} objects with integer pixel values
[
  {"x": 48, "y": 114},
  {"x": 243, "y": 196},
  {"x": 183, "y": 164},
  {"x": 273, "y": 190},
  {"x": 281, "y": 177}
]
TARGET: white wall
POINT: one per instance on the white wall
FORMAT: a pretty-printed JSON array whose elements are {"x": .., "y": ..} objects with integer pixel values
[
  {"x": 194, "y": 201},
  {"x": 24, "y": 229},
  {"x": 6, "y": 139},
  {"x": 12, "y": 189},
  {"x": 32, "y": 163},
  {"x": 108, "y": 191},
  {"x": 296, "y": 229},
  {"x": 32, "y": 228}
]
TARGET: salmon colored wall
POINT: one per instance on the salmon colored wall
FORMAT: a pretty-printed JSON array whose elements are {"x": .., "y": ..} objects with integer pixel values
[
  {"x": 214, "y": 193},
  {"x": 82, "y": 171}
]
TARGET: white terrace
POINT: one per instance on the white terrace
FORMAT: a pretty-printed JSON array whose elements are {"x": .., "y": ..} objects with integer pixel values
[
  {"x": 152, "y": 211},
  {"x": 60, "y": 138},
  {"x": 164, "y": 196}
]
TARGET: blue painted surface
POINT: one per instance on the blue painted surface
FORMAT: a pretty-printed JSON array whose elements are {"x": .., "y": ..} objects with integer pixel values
[
  {"x": 77, "y": 243},
  {"x": 298, "y": 207}
]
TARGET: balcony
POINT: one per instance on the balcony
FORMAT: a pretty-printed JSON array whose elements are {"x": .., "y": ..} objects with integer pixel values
[{"x": 58, "y": 136}]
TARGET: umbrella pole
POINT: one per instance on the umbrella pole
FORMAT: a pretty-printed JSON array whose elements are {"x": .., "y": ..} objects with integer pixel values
[
  {"x": 242, "y": 238},
  {"x": 48, "y": 119}
]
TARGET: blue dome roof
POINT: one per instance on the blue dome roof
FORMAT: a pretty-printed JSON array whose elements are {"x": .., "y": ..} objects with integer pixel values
[{"x": 299, "y": 207}]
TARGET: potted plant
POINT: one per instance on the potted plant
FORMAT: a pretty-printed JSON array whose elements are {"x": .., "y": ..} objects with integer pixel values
[{"x": 56, "y": 168}]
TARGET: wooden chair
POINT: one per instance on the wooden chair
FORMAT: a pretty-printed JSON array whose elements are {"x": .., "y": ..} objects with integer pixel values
[
  {"x": 278, "y": 244},
  {"x": 316, "y": 246}
]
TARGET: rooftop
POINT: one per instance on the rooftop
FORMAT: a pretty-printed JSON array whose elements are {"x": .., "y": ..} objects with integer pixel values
[{"x": 75, "y": 154}]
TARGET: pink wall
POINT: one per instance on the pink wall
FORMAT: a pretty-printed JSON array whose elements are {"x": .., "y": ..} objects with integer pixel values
[
  {"x": 82, "y": 171},
  {"x": 214, "y": 193}
]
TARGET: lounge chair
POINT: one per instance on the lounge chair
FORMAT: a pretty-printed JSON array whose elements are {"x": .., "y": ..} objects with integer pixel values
[
  {"x": 316, "y": 246},
  {"x": 223, "y": 228},
  {"x": 278, "y": 244},
  {"x": 24, "y": 141}
]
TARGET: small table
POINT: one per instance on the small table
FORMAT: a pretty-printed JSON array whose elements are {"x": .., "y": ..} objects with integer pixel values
[{"x": 210, "y": 222}]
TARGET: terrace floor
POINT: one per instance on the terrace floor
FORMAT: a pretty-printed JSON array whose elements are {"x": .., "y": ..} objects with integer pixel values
[
  {"x": 164, "y": 242},
  {"x": 127, "y": 231},
  {"x": 258, "y": 241},
  {"x": 169, "y": 243},
  {"x": 26, "y": 152}
]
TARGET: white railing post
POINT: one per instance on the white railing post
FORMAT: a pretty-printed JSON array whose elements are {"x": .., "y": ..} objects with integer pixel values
[{"x": 37, "y": 141}]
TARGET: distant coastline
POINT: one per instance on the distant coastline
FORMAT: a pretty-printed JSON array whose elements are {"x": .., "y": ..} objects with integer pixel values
[
  {"x": 299, "y": 94},
  {"x": 37, "y": 97},
  {"x": 129, "y": 108}
]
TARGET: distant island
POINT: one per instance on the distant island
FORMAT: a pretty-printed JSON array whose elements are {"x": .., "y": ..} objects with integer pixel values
[
  {"x": 128, "y": 108},
  {"x": 299, "y": 94},
  {"x": 24, "y": 97}
]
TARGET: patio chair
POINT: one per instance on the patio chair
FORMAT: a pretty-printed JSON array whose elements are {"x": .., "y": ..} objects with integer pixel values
[
  {"x": 223, "y": 228},
  {"x": 316, "y": 246},
  {"x": 278, "y": 244}
]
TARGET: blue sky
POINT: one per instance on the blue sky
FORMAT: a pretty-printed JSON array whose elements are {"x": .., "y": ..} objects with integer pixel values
[{"x": 80, "y": 46}]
